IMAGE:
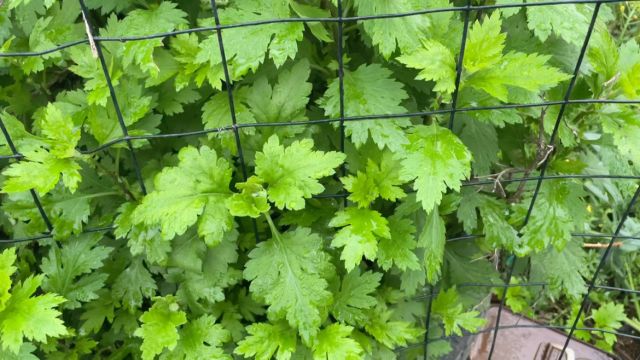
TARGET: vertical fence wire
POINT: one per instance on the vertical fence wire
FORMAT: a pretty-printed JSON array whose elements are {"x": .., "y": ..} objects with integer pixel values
[
  {"x": 452, "y": 115},
  {"x": 544, "y": 166},
  {"x": 232, "y": 108},
  {"x": 340, "y": 51},
  {"x": 427, "y": 323},
  {"x": 34, "y": 194},
  {"x": 459, "y": 67},
  {"x": 594, "y": 278},
  {"x": 112, "y": 92}
]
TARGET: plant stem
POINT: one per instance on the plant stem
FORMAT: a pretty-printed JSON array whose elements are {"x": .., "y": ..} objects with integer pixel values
[
  {"x": 626, "y": 24},
  {"x": 274, "y": 229},
  {"x": 632, "y": 286}
]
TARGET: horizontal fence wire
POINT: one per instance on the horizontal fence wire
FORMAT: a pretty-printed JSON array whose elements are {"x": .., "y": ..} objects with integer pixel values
[
  {"x": 340, "y": 20},
  {"x": 303, "y": 20},
  {"x": 231, "y": 128}
]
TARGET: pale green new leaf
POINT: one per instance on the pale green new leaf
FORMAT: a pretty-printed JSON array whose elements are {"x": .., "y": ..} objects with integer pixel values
[
  {"x": 398, "y": 249},
  {"x": 378, "y": 180},
  {"x": 485, "y": 43},
  {"x": 388, "y": 332},
  {"x": 266, "y": 340},
  {"x": 370, "y": 90},
  {"x": 359, "y": 234},
  {"x": 159, "y": 329},
  {"x": 334, "y": 343},
  {"x": 251, "y": 201},
  {"x": 288, "y": 272},
  {"x": 49, "y": 169},
  {"x": 61, "y": 132},
  {"x": 194, "y": 191},
  {"x": 442, "y": 159},
  {"x": 449, "y": 309},
  {"x": 436, "y": 62},
  {"x": 7, "y": 259},
  {"x": 525, "y": 71},
  {"x": 487, "y": 69},
  {"x": 200, "y": 339},
  {"x": 292, "y": 172},
  {"x": 23, "y": 315},
  {"x": 609, "y": 317}
]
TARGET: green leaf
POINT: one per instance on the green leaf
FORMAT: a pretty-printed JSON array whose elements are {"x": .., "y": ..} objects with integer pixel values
[
  {"x": 447, "y": 307},
  {"x": 162, "y": 18},
  {"x": 159, "y": 329},
  {"x": 24, "y": 315},
  {"x": 200, "y": 339},
  {"x": 398, "y": 249},
  {"x": 525, "y": 71},
  {"x": 334, "y": 343},
  {"x": 292, "y": 172},
  {"x": 491, "y": 71},
  {"x": 566, "y": 21},
  {"x": 609, "y": 316},
  {"x": 388, "y": 34},
  {"x": 433, "y": 240},
  {"x": 7, "y": 259},
  {"x": 24, "y": 353},
  {"x": 61, "y": 132},
  {"x": 559, "y": 206},
  {"x": 371, "y": 91},
  {"x": 266, "y": 340},
  {"x": 435, "y": 62},
  {"x": 388, "y": 332},
  {"x": 381, "y": 180},
  {"x": 623, "y": 124},
  {"x": 443, "y": 159},
  {"x": 354, "y": 298},
  {"x": 286, "y": 100},
  {"x": 485, "y": 43},
  {"x": 194, "y": 191},
  {"x": 288, "y": 272},
  {"x": 50, "y": 169},
  {"x": 216, "y": 113},
  {"x": 359, "y": 234},
  {"x": 134, "y": 284},
  {"x": 563, "y": 269},
  {"x": 246, "y": 47},
  {"x": 482, "y": 141},
  {"x": 71, "y": 270},
  {"x": 251, "y": 201}
]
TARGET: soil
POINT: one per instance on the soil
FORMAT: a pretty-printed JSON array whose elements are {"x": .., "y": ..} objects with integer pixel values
[{"x": 627, "y": 348}]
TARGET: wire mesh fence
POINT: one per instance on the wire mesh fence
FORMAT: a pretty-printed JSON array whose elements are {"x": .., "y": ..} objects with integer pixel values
[{"x": 96, "y": 43}]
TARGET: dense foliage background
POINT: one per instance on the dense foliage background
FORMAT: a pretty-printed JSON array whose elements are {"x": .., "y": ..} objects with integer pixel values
[{"x": 212, "y": 253}]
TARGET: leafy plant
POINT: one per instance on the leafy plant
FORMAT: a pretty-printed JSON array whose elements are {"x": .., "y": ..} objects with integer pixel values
[{"x": 296, "y": 213}]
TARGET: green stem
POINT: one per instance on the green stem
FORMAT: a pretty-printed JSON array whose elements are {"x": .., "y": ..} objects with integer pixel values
[
  {"x": 117, "y": 163},
  {"x": 632, "y": 286},
  {"x": 626, "y": 24},
  {"x": 635, "y": 324},
  {"x": 274, "y": 230}
]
